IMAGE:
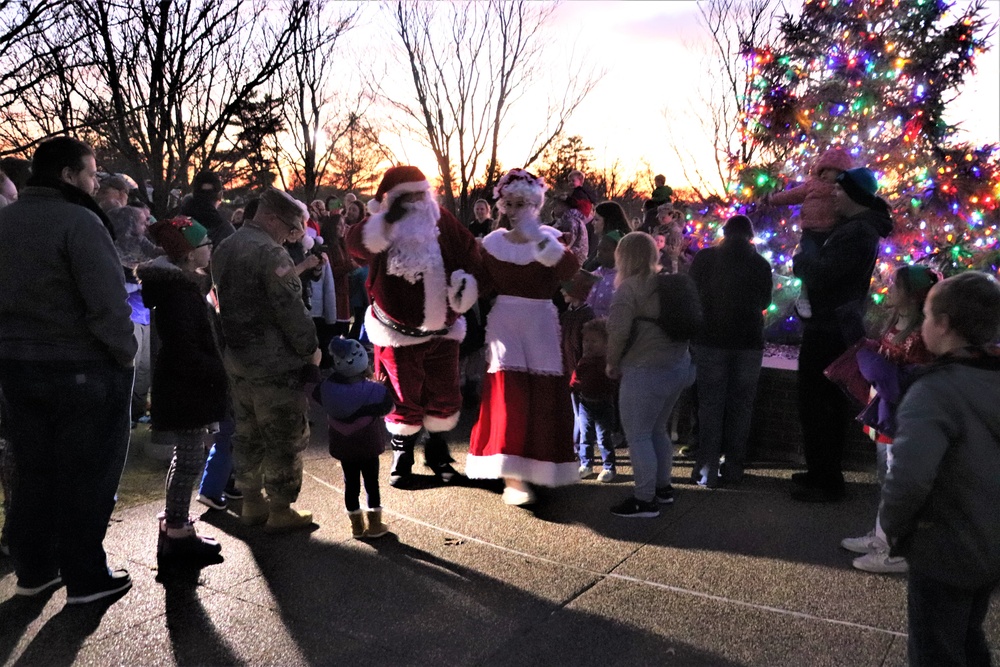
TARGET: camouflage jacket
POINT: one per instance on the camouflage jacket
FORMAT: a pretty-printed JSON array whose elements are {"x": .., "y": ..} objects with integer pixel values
[{"x": 265, "y": 323}]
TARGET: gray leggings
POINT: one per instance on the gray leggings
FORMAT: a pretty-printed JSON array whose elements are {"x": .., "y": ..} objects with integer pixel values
[{"x": 185, "y": 469}]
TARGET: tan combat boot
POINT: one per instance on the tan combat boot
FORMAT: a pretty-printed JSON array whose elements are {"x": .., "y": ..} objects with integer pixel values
[
  {"x": 254, "y": 509},
  {"x": 282, "y": 517}
]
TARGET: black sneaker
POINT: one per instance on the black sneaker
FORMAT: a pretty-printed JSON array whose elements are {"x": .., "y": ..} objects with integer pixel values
[
  {"x": 633, "y": 508},
  {"x": 665, "y": 495},
  {"x": 213, "y": 503},
  {"x": 26, "y": 589},
  {"x": 232, "y": 492},
  {"x": 117, "y": 582}
]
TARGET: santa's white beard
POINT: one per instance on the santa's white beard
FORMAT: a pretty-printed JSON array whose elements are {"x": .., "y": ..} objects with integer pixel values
[{"x": 414, "y": 248}]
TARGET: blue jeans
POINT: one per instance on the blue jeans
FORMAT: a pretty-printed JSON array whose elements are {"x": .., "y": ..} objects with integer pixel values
[
  {"x": 946, "y": 623},
  {"x": 646, "y": 397},
  {"x": 69, "y": 429},
  {"x": 596, "y": 421},
  {"x": 727, "y": 384},
  {"x": 219, "y": 466}
]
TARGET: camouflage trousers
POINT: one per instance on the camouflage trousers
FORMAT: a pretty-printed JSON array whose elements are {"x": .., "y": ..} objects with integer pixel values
[{"x": 272, "y": 429}]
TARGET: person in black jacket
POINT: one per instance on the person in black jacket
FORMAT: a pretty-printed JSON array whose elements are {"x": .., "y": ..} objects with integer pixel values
[
  {"x": 734, "y": 284},
  {"x": 837, "y": 274},
  {"x": 203, "y": 206},
  {"x": 189, "y": 380}
]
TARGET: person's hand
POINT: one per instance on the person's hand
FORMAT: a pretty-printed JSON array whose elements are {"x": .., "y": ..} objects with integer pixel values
[
  {"x": 613, "y": 372},
  {"x": 310, "y": 262},
  {"x": 397, "y": 210},
  {"x": 317, "y": 356}
]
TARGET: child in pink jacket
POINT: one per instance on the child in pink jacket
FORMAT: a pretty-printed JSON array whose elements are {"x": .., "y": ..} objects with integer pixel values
[{"x": 816, "y": 198}]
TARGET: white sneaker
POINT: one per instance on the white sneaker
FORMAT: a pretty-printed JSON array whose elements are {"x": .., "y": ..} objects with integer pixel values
[
  {"x": 880, "y": 562},
  {"x": 803, "y": 308},
  {"x": 865, "y": 544},
  {"x": 512, "y": 496},
  {"x": 585, "y": 472},
  {"x": 606, "y": 476}
]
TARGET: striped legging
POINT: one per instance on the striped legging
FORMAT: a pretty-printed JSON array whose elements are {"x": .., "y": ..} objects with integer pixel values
[{"x": 185, "y": 469}]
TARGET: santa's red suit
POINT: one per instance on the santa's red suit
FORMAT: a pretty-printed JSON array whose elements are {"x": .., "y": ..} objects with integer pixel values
[{"x": 420, "y": 280}]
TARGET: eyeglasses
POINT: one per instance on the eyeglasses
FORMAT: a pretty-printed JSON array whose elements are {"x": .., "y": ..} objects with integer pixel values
[
  {"x": 206, "y": 242},
  {"x": 295, "y": 227}
]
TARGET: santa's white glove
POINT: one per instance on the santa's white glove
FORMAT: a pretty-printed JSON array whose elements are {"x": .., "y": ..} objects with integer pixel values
[{"x": 463, "y": 291}]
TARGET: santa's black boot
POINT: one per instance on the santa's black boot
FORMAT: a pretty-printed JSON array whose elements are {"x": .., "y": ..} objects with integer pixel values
[
  {"x": 438, "y": 458},
  {"x": 401, "y": 474}
]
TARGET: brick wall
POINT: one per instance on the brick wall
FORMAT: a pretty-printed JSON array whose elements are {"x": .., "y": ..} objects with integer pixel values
[{"x": 775, "y": 434}]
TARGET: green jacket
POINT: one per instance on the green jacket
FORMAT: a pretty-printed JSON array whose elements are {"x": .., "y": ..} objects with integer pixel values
[{"x": 264, "y": 321}]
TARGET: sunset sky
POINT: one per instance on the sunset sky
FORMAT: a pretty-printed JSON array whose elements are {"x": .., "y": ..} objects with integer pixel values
[{"x": 654, "y": 58}]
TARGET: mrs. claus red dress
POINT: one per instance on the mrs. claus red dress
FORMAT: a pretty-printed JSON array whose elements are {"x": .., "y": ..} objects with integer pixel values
[{"x": 525, "y": 427}]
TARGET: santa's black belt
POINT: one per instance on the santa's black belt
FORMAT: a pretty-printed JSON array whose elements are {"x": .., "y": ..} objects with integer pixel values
[{"x": 402, "y": 328}]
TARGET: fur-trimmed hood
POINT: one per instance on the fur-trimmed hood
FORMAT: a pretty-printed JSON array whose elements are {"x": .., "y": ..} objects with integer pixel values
[{"x": 160, "y": 276}]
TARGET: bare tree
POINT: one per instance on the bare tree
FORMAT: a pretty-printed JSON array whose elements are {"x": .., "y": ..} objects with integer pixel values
[
  {"x": 312, "y": 108},
  {"x": 164, "y": 81},
  {"x": 34, "y": 62},
  {"x": 470, "y": 62},
  {"x": 358, "y": 155},
  {"x": 739, "y": 31}
]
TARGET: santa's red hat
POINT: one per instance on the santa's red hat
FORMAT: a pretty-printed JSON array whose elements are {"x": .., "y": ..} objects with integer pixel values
[{"x": 396, "y": 182}]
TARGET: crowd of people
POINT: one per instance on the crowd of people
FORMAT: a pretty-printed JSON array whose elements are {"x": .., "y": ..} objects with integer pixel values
[{"x": 573, "y": 337}]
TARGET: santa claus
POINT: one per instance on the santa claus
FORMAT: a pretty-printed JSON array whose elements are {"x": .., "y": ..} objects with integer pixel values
[{"x": 421, "y": 263}]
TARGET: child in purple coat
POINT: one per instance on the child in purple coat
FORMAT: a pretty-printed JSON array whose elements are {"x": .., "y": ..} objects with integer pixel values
[{"x": 354, "y": 407}]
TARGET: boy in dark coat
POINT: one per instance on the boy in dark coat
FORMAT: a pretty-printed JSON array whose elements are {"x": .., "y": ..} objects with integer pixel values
[{"x": 942, "y": 490}]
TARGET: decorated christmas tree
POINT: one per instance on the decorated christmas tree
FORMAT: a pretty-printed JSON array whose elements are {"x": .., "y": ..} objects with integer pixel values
[{"x": 874, "y": 77}]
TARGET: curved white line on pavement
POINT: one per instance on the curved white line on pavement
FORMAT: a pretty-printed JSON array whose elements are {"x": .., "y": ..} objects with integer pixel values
[{"x": 632, "y": 580}]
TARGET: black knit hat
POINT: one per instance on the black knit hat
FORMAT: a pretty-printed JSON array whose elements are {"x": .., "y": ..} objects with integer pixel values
[{"x": 860, "y": 185}]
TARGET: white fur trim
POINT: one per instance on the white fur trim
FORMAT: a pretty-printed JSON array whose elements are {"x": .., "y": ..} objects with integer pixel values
[
  {"x": 402, "y": 429},
  {"x": 552, "y": 253},
  {"x": 374, "y": 206},
  {"x": 441, "y": 424},
  {"x": 381, "y": 335},
  {"x": 496, "y": 244},
  {"x": 470, "y": 294},
  {"x": 543, "y": 473},
  {"x": 435, "y": 291},
  {"x": 375, "y": 234}
]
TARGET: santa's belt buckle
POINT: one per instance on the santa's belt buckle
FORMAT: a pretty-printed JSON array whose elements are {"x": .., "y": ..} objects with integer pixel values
[{"x": 402, "y": 328}]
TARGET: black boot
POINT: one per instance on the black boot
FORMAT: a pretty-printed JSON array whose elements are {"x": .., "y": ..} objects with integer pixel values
[
  {"x": 184, "y": 546},
  {"x": 402, "y": 460},
  {"x": 438, "y": 458}
]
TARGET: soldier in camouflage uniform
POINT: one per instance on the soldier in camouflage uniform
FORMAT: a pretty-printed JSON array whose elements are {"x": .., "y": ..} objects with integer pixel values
[{"x": 270, "y": 339}]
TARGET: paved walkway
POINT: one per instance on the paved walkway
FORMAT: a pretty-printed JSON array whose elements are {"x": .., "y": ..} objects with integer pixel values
[{"x": 727, "y": 577}]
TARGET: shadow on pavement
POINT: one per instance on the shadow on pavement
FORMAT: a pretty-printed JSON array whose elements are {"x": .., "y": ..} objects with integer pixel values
[
  {"x": 193, "y": 635},
  {"x": 60, "y": 639},
  {"x": 386, "y": 602}
]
